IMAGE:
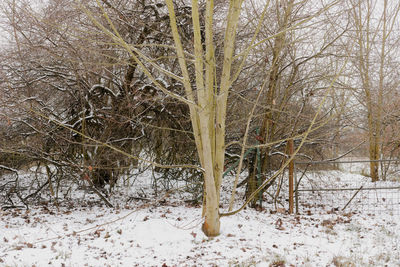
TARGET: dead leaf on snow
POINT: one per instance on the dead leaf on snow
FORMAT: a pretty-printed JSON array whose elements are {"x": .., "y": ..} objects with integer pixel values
[
  {"x": 281, "y": 210},
  {"x": 279, "y": 224}
]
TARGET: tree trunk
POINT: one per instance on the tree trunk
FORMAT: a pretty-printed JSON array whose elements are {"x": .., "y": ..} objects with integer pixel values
[{"x": 268, "y": 126}]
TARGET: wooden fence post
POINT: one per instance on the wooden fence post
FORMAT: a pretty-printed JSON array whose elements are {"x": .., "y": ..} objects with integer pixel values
[{"x": 291, "y": 172}]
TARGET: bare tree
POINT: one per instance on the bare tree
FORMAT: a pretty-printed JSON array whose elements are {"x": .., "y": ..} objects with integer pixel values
[
  {"x": 374, "y": 27},
  {"x": 296, "y": 65}
]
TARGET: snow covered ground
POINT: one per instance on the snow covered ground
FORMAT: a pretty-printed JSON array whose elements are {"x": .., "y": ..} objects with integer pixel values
[{"x": 140, "y": 233}]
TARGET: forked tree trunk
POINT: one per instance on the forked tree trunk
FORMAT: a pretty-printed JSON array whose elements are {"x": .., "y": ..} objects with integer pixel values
[{"x": 208, "y": 111}]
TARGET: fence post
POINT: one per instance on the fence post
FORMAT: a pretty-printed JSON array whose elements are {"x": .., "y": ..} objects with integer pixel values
[
  {"x": 296, "y": 188},
  {"x": 291, "y": 171}
]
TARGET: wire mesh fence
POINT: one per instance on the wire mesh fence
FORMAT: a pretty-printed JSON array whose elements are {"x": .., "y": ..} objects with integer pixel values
[{"x": 346, "y": 188}]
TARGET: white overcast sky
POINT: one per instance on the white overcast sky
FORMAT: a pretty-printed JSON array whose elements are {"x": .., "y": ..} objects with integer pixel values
[{"x": 40, "y": 3}]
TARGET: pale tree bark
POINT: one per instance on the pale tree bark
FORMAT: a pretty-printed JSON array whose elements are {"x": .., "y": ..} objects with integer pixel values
[
  {"x": 210, "y": 112},
  {"x": 378, "y": 135},
  {"x": 388, "y": 21},
  {"x": 363, "y": 36},
  {"x": 366, "y": 37}
]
